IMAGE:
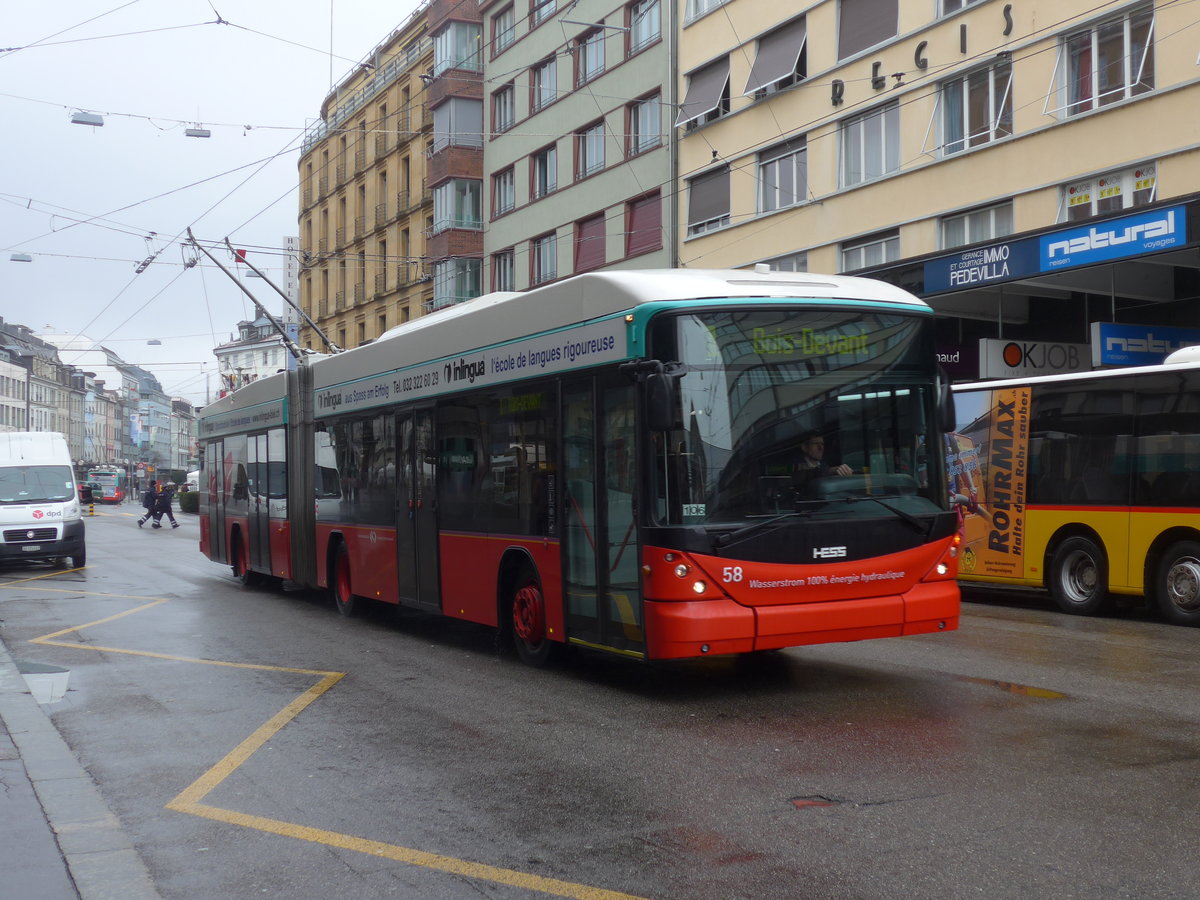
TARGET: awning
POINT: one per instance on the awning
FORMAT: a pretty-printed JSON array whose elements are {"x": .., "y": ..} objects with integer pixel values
[
  {"x": 778, "y": 54},
  {"x": 705, "y": 88}
]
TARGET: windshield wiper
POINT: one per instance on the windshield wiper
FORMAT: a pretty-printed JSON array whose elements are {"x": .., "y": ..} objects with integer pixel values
[
  {"x": 909, "y": 519},
  {"x": 724, "y": 540}
]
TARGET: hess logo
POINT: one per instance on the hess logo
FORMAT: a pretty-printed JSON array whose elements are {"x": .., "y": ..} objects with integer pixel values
[{"x": 828, "y": 552}]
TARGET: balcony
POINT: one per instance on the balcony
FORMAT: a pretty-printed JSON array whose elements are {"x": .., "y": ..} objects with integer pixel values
[
  {"x": 360, "y": 293},
  {"x": 339, "y": 239},
  {"x": 339, "y": 301},
  {"x": 381, "y": 282},
  {"x": 382, "y": 142},
  {"x": 339, "y": 173},
  {"x": 322, "y": 309},
  {"x": 380, "y": 215},
  {"x": 360, "y": 227},
  {"x": 360, "y": 160},
  {"x": 322, "y": 186}
]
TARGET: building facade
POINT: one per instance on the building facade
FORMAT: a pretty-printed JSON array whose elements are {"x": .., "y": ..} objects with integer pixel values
[
  {"x": 1030, "y": 169},
  {"x": 365, "y": 202},
  {"x": 578, "y": 161}
]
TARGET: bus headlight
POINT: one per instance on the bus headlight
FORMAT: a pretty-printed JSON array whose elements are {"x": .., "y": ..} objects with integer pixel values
[
  {"x": 681, "y": 571},
  {"x": 699, "y": 587}
]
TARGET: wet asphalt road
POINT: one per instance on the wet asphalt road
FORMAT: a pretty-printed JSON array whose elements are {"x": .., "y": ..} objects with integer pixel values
[{"x": 254, "y": 743}]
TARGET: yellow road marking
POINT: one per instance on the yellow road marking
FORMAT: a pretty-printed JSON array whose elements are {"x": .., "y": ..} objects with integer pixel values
[{"x": 189, "y": 800}]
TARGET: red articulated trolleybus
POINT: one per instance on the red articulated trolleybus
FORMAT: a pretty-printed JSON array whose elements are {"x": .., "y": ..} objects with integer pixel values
[{"x": 612, "y": 461}]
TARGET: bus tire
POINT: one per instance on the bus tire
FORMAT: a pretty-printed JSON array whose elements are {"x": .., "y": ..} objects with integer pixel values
[
  {"x": 340, "y": 584},
  {"x": 241, "y": 563},
  {"x": 1177, "y": 585},
  {"x": 1079, "y": 577},
  {"x": 528, "y": 605}
]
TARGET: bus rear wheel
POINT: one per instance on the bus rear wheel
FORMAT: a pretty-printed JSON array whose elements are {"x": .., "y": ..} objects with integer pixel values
[
  {"x": 529, "y": 620},
  {"x": 343, "y": 590},
  {"x": 1177, "y": 587},
  {"x": 241, "y": 564},
  {"x": 1079, "y": 577}
]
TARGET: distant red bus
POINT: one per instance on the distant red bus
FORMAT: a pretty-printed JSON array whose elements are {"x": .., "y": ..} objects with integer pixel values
[
  {"x": 609, "y": 462},
  {"x": 112, "y": 480}
]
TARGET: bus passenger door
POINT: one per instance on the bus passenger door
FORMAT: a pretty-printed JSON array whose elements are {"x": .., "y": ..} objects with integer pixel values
[
  {"x": 259, "y": 521},
  {"x": 416, "y": 513},
  {"x": 600, "y": 560},
  {"x": 214, "y": 487}
]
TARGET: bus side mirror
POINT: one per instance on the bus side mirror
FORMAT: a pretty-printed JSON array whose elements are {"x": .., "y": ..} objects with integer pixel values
[
  {"x": 661, "y": 408},
  {"x": 947, "y": 420}
]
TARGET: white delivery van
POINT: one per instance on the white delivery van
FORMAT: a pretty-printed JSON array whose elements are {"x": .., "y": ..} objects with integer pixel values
[{"x": 40, "y": 515}]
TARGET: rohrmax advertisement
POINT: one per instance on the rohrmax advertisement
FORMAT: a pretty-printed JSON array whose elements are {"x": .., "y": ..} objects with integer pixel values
[{"x": 989, "y": 464}]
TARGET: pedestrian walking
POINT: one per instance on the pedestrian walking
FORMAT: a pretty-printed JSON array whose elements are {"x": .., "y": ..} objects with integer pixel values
[
  {"x": 162, "y": 506},
  {"x": 149, "y": 498}
]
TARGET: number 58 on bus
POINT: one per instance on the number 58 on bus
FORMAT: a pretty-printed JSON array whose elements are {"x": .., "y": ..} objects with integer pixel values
[{"x": 661, "y": 465}]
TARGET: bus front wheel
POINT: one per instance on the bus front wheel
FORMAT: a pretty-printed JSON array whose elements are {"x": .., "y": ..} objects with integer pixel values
[
  {"x": 529, "y": 620},
  {"x": 343, "y": 590},
  {"x": 1079, "y": 577},
  {"x": 1177, "y": 587}
]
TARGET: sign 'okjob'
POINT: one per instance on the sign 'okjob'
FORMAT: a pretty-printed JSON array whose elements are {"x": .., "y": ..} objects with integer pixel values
[{"x": 1133, "y": 235}]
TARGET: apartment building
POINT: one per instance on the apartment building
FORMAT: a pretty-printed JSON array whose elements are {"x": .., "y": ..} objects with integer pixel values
[
  {"x": 1029, "y": 168},
  {"x": 578, "y": 162},
  {"x": 365, "y": 202}
]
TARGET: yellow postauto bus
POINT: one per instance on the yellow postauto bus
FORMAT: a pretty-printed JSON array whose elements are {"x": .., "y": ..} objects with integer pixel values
[{"x": 1085, "y": 484}]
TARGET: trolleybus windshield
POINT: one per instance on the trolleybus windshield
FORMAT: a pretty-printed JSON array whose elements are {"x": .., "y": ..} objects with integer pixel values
[{"x": 755, "y": 387}]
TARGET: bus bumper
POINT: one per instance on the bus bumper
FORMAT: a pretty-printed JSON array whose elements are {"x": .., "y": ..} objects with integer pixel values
[{"x": 682, "y": 629}]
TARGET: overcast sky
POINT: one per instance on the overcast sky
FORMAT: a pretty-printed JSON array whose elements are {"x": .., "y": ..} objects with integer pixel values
[{"x": 90, "y": 203}]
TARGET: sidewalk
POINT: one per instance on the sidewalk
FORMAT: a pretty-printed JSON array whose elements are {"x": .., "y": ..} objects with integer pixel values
[{"x": 57, "y": 836}]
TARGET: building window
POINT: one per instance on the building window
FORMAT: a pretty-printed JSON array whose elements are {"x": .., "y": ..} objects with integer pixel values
[
  {"x": 781, "y": 60},
  {"x": 871, "y": 144},
  {"x": 503, "y": 30},
  {"x": 953, "y": 6},
  {"x": 789, "y": 262},
  {"x": 977, "y": 108},
  {"x": 457, "y": 47},
  {"x": 503, "y": 271},
  {"x": 644, "y": 128},
  {"x": 1109, "y": 193},
  {"x": 544, "y": 178},
  {"x": 458, "y": 122},
  {"x": 541, "y": 10},
  {"x": 457, "y": 204},
  {"x": 504, "y": 192},
  {"x": 589, "y": 243},
  {"x": 707, "y": 95},
  {"x": 589, "y": 57},
  {"x": 589, "y": 150},
  {"x": 865, "y": 23},
  {"x": 544, "y": 85},
  {"x": 873, "y": 250},
  {"x": 698, "y": 8},
  {"x": 545, "y": 258},
  {"x": 782, "y": 175},
  {"x": 503, "y": 109},
  {"x": 644, "y": 22},
  {"x": 1111, "y": 62},
  {"x": 643, "y": 224},
  {"x": 978, "y": 225},
  {"x": 708, "y": 201},
  {"x": 455, "y": 280}
]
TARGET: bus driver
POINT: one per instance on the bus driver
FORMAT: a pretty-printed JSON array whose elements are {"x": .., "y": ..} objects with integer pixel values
[{"x": 812, "y": 456}]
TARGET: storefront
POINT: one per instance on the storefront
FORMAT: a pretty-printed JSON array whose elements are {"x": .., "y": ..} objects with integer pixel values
[{"x": 1116, "y": 291}]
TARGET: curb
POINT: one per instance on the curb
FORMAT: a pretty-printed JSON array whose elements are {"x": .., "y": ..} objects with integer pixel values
[{"x": 100, "y": 857}]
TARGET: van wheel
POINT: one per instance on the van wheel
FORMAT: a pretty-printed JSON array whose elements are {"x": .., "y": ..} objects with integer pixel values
[
  {"x": 79, "y": 560},
  {"x": 1078, "y": 577},
  {"x": 342, "y": 589},
  {"x": 1177, "y": 585},
  {"x": 529, "y": 620}
]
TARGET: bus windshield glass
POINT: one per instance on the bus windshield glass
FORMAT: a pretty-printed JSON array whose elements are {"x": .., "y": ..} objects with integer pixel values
[{"x": 814, "y": 412}]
